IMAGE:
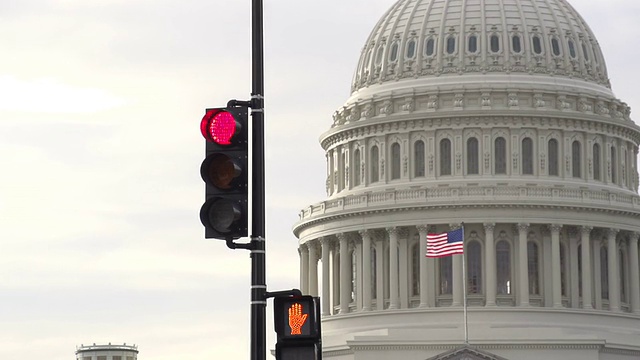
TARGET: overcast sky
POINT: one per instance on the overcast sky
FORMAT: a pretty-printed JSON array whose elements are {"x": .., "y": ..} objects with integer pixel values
[{"x": 100, "y": 104}]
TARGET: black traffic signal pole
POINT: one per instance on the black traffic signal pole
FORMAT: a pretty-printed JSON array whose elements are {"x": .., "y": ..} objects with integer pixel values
[
  {"x": 259, "y": 292},
  {"x": 258, "y": 254}
]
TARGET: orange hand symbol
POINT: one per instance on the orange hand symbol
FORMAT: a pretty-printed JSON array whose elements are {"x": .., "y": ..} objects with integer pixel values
[{"x": 296, "y": 318}]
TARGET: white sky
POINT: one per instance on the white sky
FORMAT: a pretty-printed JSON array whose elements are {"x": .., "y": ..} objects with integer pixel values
[{"x": 100, "y": 104}]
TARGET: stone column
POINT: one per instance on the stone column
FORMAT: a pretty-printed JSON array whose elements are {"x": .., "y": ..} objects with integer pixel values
[
  {"x": 424, "y": 290},
  {"x": 326, "y": 277},
  {"x": 555, "y": 265},
  {"x": 380, "y": 275},
  {"x": 457, "y": 281},
  {"x": 614, "y": 270},
  {"x": 635, "y": 273},
  {"x": 357, "y": 293},
  {"x": 573, "y": 273},
  {"x": 523, "y": 268},
  {"x": 490, "y": 264},
  {"x": 586, "y": 267},
  {"x": 366, "y": 269},
  {"x": 394, "y": 301},
  {"x": 313, "y": 268},
  {"x": 404, "y": 267},
  {"x": 597, "y": 274},
  {"x": 304, "y": 269},
  {"x": 345, "y": 274}
]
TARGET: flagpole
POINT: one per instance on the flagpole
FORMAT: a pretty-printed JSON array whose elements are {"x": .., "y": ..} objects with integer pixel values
[{"x": 464, "y": 293}]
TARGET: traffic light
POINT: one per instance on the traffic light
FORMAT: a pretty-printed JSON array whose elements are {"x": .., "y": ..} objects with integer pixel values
[
  {"x": 297, "y": 323},
  {"x": 225, "y": 171}
]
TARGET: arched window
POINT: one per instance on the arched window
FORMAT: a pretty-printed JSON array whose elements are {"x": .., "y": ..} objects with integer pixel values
[
  {"x": 614, "y": 166},
  {"x": 451, "y": 45},
  {"x": 415, "y": 269},
  {"x": 572, "y": 49},
  {"x": 527, "y": 156},
  {"x": 374, "y": 274},
  {"x": 430, "y": 48},
  {"x": 537, "y": 45},
  {"x": 472, "y": 156},
  {"x": 580, "y": 270},
  {"x": 336, "y": 278},
  {"x": 445, "y": 157},
  {"x": 555, "y": 46},
  {"x": 356, "y": 167},
  {"x": 576, "y": 157},
  {"x": 534, "y": 268},
  {"x": 495, "y": 43},
  {"x": 418, "y": 158},
  {"x": 503, "y": 267},
  {"x": 375, "y": 173},
  {"x": 473, "y": 44},
  {"x": 516, "y": 44},
  {"x": 354, "y": 276},
  {"x": 395, "y": 161},
  {"x": 596, "y": 162},
  {"x": 445, "y": 275},
  {"x": 552, "y": 150},
  {"x": 500, "y": 156},
  {"x": 604, "y": 273},
  {"x": 411, "y": 49},
  {"x": 474, "y": 270},
  {"x": 393, "y": 55},
  {"x": 563, "y": 270}
]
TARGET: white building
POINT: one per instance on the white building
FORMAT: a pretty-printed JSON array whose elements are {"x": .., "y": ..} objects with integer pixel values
[
  {"x": 107, "y": 352},
  {"x": 497, "y": 114}
]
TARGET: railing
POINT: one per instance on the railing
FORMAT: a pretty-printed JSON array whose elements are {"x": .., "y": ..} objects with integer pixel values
[{"x": 487, "y": 194}]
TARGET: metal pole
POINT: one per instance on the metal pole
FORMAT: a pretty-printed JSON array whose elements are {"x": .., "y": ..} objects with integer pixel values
[{"x": 258, "y": 255}]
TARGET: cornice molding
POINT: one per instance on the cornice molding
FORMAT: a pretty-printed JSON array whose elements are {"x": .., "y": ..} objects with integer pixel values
[{"x": 515, "y": 197}]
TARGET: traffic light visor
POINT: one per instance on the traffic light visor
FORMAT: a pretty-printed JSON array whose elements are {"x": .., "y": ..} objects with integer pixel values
[{"x": 219, "y": 126}]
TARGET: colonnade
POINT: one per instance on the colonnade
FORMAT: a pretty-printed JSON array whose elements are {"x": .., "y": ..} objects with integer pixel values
[{"x": 561, "y": 265}]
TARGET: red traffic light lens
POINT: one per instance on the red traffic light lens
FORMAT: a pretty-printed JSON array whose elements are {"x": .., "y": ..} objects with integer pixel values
[{"x": 218, "y": 126}]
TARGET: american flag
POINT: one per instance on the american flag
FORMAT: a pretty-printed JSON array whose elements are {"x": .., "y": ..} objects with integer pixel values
[{"x": 445, "y": 244}]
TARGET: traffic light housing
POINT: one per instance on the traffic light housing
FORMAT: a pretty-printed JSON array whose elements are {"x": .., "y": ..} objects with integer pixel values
[
  {"x": 225, "y": 172},
  {"x": 297, "y": 323}
]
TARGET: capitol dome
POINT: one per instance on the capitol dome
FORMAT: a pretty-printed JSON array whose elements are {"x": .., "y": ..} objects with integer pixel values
[{"x": 497, "y": 115}]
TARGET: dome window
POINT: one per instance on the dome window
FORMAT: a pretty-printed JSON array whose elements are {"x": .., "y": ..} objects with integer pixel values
[
  {"x": 451, "y": 45},
  {"x": 395, "y": 161},
  {"x": 430, "y": 47},
  {"x": 537, "y": 45},
  {"x": 572, "y": 49},
  {"x": 515, "y": 44},
  {"x": 585, "y": 52},
  {"x": 555, "y": 46},
  {"x": 393, "y": 56},
  {"x": 473, "y": 44},
  {"x": 379, "y": 54},
  {"x": 411, "y": 49},
  {"x": 495, "y": 43}
]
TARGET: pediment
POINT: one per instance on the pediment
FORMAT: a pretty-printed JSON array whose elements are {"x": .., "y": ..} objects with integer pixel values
[{"x": 466, "y": 353}]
